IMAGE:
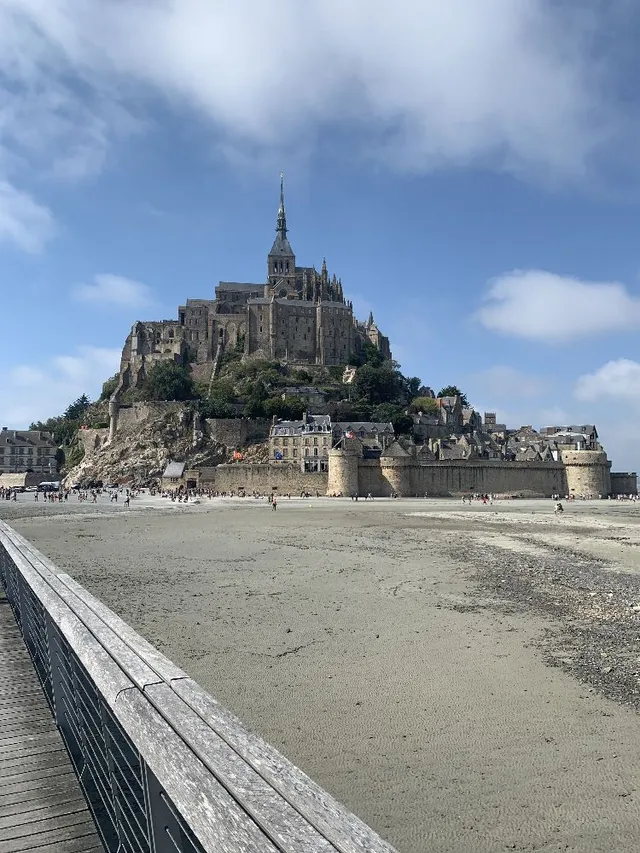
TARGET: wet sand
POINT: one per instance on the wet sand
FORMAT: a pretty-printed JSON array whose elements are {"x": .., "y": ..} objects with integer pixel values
[{"x": 464, "y": 679}]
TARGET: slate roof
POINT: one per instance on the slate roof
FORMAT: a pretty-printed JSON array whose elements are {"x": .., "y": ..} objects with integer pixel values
[{"x": 174, "y": 469}]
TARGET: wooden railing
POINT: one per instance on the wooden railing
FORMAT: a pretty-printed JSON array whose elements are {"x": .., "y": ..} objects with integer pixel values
[{"x": 164, "y": 767}]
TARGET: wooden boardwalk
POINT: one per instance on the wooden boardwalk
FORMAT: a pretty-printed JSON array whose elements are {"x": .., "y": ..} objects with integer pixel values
[{"x": 42, "y": 807}]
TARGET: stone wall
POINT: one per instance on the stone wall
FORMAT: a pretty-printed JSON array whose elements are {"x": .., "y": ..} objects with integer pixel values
[
  {"x": 130, "y": 416},
  {"x": 263, "y": 477},
  {"x": 406, "y": 477},
  {"x": 587, "y": 472},
  {"x": 238, "y": 432},
  {"x": 624, "y": 483}
]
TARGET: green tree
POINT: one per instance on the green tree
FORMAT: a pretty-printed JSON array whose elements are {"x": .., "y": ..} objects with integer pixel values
[
  {"x": 291, "y": 408},
  {"x": 394, "y": 414},
  {"x": 427, "y": 405},
  {"x": 109, "y": 386},
  {"x": 454, "y": 391},
  {"x": 381, "y": 384},
  {"x": 168, "y": 380},
  {"x": 77, "y": 409},
  {"x": 412, "y": 386}
]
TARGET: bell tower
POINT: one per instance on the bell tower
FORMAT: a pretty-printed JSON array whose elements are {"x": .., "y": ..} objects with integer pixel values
[{"x": 281, "y": 262}]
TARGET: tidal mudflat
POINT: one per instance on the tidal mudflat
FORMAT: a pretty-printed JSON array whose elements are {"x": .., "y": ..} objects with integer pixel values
[{"x": 464, "y": 679}]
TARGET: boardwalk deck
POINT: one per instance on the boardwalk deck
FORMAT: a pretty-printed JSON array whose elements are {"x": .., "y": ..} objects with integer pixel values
[{"x": 42, "y": 808}]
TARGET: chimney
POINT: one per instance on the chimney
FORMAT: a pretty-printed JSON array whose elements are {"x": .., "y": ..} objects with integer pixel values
[{"x": 304, "y": 417}]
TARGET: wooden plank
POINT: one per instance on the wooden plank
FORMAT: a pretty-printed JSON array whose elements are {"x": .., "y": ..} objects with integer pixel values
[
  {"x": 20, "y": 814},
  {"x": 64, "y": 786},
  {"x": 42, "y": 807},
  {"x": 51, "y": 832},
  {"x": 80, "y": 844},
  {"x": 47, "y": 758},
  {"x": 12, "y": 740}
]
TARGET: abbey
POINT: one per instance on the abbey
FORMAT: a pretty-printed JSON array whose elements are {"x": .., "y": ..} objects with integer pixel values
[{"x": 298, "y": 316}]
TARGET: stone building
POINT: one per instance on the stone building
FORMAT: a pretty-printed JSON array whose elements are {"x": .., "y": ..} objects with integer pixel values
[
  {"x": 306, "y": 443},
  {"x": 27, "y": 450},
  {"x": 298, "y": 315}
]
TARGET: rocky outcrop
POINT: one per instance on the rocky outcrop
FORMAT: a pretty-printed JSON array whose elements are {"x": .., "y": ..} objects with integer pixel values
[{"x": 148, "y": 436}]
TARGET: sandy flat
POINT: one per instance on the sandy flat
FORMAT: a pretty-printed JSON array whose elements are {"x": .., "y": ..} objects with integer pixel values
[{"x": 461, "y": 678}]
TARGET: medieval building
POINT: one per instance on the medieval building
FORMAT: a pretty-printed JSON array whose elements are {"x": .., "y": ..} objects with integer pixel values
[{"x": 297, "y": 316}]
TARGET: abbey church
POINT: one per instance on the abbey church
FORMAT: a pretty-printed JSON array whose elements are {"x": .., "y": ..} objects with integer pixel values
[{"x": 298, "y": 316}]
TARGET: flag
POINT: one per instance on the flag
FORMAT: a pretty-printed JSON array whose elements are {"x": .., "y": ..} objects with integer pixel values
[
  {"x": 237, "y": 455},
  {"x": 277, "y": 454},
  {"x": 349, "y": 433}
]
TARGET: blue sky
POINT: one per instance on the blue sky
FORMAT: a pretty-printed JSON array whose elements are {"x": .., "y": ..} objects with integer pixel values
[{"x": 471, "y": 171}]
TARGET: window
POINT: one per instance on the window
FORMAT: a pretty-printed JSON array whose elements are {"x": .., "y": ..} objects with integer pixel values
[
  {"x": 315, "y": 441},
  {"x": 295, "y": 452},
  {"x": 285, "y": 441},
  {"x": 315, "y": 451},
  {"x": 306, "y": 451},
  {"x": 285, "y": 452}
]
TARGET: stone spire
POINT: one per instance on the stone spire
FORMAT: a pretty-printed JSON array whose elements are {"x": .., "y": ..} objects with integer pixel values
[
  {"x": 281, "y": 246},
  {"x": 281, "y": 262},
  {"x": 281, "y": 227},
  {"x": 370, "y": 322}
]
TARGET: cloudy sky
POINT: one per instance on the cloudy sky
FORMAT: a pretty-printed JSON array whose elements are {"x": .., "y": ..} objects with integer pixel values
[{"x": 471, "y": 170}]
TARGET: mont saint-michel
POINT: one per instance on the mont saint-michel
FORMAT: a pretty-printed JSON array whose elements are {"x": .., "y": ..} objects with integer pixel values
[{"x": 298, "y": 315}]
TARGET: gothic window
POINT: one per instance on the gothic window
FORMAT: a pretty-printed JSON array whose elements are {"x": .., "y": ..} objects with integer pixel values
[
  {"x": 287, "y": 266},
  {"x": 315, "y": 451},
  {"x": 306, "y": 451}
]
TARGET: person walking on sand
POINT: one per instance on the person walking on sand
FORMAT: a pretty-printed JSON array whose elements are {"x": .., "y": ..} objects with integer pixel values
[
  {"x": 274, "y": 503},
  {"x": 127, "y": 501},
  {"x": 558, "y": 508}
]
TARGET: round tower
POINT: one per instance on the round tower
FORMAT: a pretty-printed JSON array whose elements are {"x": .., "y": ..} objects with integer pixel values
[
  {"x": 587, "y": 472},
  {"x": 396, "y": 471},
  {"x": 343, "y": 471}
]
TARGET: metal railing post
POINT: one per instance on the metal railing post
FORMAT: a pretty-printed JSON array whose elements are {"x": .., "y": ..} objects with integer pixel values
[
  {"x": 166, "y": 835},
  {"x": 54, "y": 668}
]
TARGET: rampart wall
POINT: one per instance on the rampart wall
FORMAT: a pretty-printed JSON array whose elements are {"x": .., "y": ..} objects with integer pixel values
[
  {"x": 623, "y": 483},
  {"x": 265, "y": 478},
  {"x": 453, "y": 477}
]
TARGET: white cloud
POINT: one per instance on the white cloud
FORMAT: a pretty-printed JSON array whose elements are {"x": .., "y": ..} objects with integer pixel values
[
  {"x": 618, "y": 379},
  {"x": 107, "y": 289},
  {"x": 23, "y": 221},
  {"x": 37, "y": 392},
  {"x": 556, "y": 309},
  {"x": 502, "y": 382},
  {"x": 507, "y": 84}
]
